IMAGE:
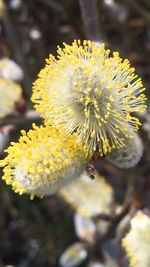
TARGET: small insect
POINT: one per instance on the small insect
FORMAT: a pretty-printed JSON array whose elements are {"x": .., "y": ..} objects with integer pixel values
[{"x": 91, "y": 169}]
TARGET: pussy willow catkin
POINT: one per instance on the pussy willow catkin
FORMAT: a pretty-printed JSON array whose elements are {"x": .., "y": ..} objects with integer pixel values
[
  {"x": 10, "y": 93},
  {"x": 42, "y": 161},
  {"x": 91, "y": 92}
]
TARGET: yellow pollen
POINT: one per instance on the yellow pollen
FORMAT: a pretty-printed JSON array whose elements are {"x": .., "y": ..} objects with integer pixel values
[
  {"x": 43, "y": 161},
  {"x": 86, "y": 90}
]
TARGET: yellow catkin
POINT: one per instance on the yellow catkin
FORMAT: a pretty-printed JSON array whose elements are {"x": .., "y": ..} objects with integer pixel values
[
  {"x": 91, "y": 93},
  {"x": 42, "y": 161},
  {"x": 10, "y": 93},
  {"x": 137, "y": 242},
  {"x": 89, "y": 197}
]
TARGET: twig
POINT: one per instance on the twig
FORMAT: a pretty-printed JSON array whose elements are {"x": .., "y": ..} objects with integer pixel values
[
  {"x": 90, "y": 17},
  {"x": 135, "y": 202},
  {"x": 17, "y": 120},
  {"x": 103, "y": 216}
]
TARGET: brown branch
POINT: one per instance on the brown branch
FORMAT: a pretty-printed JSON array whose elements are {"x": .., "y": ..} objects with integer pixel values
[
  {"x": 19, "y": 119},
  {"x": 135, "y": 202},
  {"x": 90, "y": 18},
  {"x": 103, "y": 216}
]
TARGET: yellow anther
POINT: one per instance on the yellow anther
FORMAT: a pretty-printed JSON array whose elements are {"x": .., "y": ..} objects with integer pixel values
[{"x": 91, "y": 87}]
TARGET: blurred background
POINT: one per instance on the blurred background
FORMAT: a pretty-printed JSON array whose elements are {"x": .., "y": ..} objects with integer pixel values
[{"x": 36, "y": 233}]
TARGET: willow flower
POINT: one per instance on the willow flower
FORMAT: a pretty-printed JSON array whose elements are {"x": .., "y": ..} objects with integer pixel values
[
  {"x": 91, "y": 93},
  {"x": 10, "y": 93},
  {"x": 10, "y": 70},
  {"x": 42, "y": 161},
  {"x": 88, "y": 197},
  {"x": 129, "y": 155},
  {"x": 137, "y": 242}
]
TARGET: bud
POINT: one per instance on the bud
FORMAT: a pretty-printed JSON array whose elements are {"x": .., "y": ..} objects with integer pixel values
[
  {"x": 10, "y": 93},
  {"x": 85, "y": 228},
  {"x": 10, "y": 70},
  {"x": 129, "y": 155},
  {"x": 73, "y": 256}
]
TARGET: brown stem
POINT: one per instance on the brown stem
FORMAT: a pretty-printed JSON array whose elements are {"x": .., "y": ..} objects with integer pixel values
[
  {"x": 135, "y": 202},
  {"x": 17, "y": 120},
  {"x": 90, "y": 17}
]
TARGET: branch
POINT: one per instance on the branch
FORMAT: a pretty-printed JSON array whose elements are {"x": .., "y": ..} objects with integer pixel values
[
  {"x": 135, "y": 202},
  {"x": 19, "y": 119},
  {"x": 90, "y": 17}
]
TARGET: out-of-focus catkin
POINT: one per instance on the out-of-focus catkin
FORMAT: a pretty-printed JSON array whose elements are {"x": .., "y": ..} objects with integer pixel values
[{"x": 137, "y": 242}]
